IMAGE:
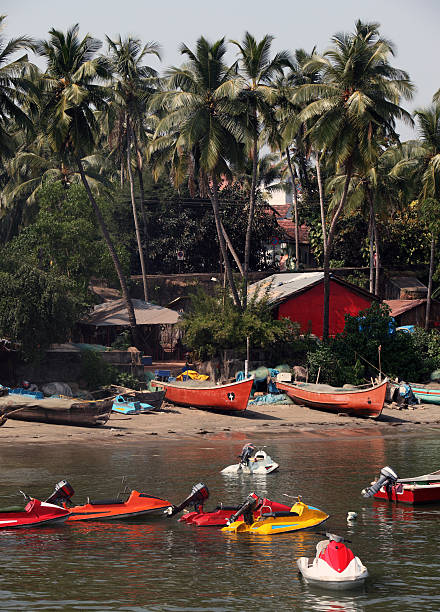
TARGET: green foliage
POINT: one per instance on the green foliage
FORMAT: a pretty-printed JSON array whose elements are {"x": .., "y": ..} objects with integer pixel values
[
  {"x": 123, "y": 341},
  {"x": 125, "y": 379},
  {"x": 95, "y": 371},
  {"x": 37, "y": 307},
  {"x": 216, "y": 324}
]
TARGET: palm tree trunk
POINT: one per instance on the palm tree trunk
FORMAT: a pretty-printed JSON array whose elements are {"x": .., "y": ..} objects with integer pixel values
[
  {"x": 213, "y": 196},
  {"x": 135, "y": 217},
  {"x": 141, "y": 185},
  {"x": 295, "y": 207},
  {"x": 377, "y": 250},
  {"x": 321, "y": 202},
  {"x": 371, "y": 239},
  {"x": 327, "y": 252},
  {"x": 247, "y": 246},
  {"x": 114, "y": 256},
  {"x": 231, "y": 248},
  {"x": 431, "y": 272}
]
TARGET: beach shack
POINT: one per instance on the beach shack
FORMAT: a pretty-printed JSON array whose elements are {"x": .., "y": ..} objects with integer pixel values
[{"x": 299, "y": 296}]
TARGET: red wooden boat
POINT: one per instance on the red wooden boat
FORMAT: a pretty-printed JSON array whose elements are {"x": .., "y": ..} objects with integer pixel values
[
  {"x": 233, "y": 396},
  {"x": 361, "y": 401},
  {"x": 418, "y": 490},
  {"x": 34, "y": 514}
]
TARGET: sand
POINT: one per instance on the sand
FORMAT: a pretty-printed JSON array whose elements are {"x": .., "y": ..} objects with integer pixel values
[{"x": 173, "y": 422}]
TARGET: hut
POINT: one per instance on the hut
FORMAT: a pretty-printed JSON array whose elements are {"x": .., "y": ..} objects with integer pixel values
[{"x": 299, "y": 296}]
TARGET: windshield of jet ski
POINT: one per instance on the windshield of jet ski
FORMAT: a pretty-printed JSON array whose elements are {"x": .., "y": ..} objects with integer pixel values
[{"x": 387, "y": 477}]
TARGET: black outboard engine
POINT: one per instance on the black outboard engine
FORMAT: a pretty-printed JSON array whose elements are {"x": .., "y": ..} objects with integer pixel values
[
  {"x": 199, "y": 494},
  {"x": 246, "y": 453},
  {"x": 246, "y": 509},
  {"x": 387, "y": 477},
  {"x": 62, "y": 494}
]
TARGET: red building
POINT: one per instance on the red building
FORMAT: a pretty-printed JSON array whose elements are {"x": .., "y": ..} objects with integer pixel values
[{"x": 300, "y": 297}]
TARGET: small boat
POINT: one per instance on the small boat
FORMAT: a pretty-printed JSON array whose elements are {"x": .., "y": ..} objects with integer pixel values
[
  {"x": 259, "y": 463},
  {"x": 299, "y": 516},
  {"x": 233, "y": 396},
  {"x": 153, "y": 398},
  {"x": 427, "y": 395},
  {"x": 417, "y": 490},
  {"x": 221, "y": 514},
  {"x": 34, "y": 514},
  {"x": 55, "y": 410},
  {"x": 128, "y": 505},
  {"x": 123, "y": 405},
  {"x": 364, "y": 401},
  {"x": 334, "y": 566}
]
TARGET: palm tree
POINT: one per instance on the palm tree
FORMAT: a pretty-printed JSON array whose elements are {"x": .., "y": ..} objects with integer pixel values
[
  {"x": 132, "y": 85},
  {"x": 201, "y": 129},
  {"x": 72, "y": 94},
  {"x": 357, "y": 101},
  {"x": 257, "y": 73}
]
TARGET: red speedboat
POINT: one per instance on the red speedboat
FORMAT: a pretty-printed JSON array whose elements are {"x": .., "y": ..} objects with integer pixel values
[
  {"x": 418, "y": 490},
  {"x": 220, "y": 515},
  {"x": 129, "y": 505},
  {"x": 34, "y": 514}
]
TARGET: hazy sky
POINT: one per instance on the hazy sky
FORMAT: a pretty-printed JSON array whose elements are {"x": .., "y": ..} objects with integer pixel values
[{"x": 412, "y": 26}]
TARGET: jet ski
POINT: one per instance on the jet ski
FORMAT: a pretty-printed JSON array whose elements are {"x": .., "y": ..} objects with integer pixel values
[
  {"x": 130, "y": 504},
  {"x": 268, "y": 522},
  {"x": 258, "y": 463},
  {"x": 34, "y": 514},
  {"x": 334, "y": 566},
  {"x": 220, "y": 515}
]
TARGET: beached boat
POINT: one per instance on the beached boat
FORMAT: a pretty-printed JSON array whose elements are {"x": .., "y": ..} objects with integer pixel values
[
  {"x": 426, "y": 394},
  {"x": 364, "y": 401},
  {"x": 153, "y": 398},
  {"x": 233, "y": 396},
  {"x": 59, "y": 411},
  {"x": 423, "y": 489}
]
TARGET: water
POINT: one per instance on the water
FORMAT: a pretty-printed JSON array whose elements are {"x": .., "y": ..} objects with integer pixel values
[{"x": 163, "y": 565}]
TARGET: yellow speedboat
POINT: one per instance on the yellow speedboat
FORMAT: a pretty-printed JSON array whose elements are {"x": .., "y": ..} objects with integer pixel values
[{"x": 299, "y": 517}]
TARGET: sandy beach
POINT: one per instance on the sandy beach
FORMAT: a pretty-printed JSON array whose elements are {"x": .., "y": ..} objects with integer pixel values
[{"x": 173, "y": 422}]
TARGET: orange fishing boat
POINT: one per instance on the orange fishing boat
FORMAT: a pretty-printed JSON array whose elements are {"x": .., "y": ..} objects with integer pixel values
[
  {"x": 366, "y": 401},
  {"x": 233, "y": 396}
]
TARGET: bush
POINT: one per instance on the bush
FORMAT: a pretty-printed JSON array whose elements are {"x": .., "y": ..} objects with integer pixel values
[{"x": 95, "y": 371}]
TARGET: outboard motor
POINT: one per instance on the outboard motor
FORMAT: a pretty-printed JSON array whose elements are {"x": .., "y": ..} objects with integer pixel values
[
  {"x": 246, "y": 453},
  {"x": 387, "y": 477},
  {"x": 62, "y": 494},
  {"x": 199, "y": 494},
  {"x": 246, "y": 509}
]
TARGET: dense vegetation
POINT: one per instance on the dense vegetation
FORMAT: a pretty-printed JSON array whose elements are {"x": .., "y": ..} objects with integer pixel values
[{"x": 108, "y": 168}]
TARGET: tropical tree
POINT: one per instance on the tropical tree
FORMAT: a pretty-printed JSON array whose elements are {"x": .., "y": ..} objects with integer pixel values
[
  {"x": 257, "y": 74},
  {"x": 201, "y": 128},
  {"x": 132, "y": 87},
  {"x": 357, "y": 101},
  {"x": 72, "y": 93}
]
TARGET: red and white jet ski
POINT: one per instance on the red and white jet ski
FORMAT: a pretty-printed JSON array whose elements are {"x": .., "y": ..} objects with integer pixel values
[
  {"x": 334, "y": 566},
  {"x": 34, "y": 514}
]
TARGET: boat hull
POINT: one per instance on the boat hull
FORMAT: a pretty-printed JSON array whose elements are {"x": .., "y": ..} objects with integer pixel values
[
  {"x": 138, "y": 504},
  {"x": 231, "y": 397},
  {"x": 357, "y": 402},
  {"x": 410, "y": 494},
  {"x": 220, "y": 516},
  {"x": 331, "y": 581},
  {"x": 426, "y": 395},
  {"x": 35, "y": 514},
  {"x": 56, "y": 411}
]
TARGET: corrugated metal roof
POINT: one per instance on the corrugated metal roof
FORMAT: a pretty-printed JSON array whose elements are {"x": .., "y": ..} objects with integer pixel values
[
  {"x": 398, "y": 307},
  {"x": 115, "y": 313},
  {"x": 281, "y": 286},
  {"x": 404, "y": 282}
]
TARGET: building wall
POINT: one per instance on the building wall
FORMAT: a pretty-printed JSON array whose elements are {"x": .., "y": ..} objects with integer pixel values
[{"x": 307, "y": 308}]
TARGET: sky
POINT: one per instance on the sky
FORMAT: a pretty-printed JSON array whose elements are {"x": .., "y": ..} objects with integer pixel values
[{"x": 411, "y": 26}]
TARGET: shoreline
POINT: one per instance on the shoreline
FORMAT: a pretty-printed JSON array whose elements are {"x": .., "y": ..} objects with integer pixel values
[{"x": 179, "y": 423}]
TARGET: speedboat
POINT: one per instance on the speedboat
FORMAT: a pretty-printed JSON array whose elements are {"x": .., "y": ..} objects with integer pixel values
[
  {"x": 258, "y": 463},
  {"x": 129, "y": 504},
  {"x": 221, "y": 514},
  {"x": 416, "y": 490},
  {"x": 334, "y": 566},
  {"x": 33, "y": 514},
  {"x": 268, "y": 522}
]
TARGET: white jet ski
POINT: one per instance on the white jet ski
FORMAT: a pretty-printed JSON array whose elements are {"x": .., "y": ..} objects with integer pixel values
[
  {"x": 334, "y": 566},
  {"x": 252, "y": 463}
]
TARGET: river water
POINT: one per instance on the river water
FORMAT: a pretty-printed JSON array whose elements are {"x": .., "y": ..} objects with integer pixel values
[{"x": 164, "y": 565}]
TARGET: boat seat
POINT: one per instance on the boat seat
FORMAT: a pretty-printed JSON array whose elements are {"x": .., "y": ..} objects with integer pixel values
[
  {"x": 278, "y": 514},
  {"x": 12, "y": 509},
  {"x": 105, "y": 502}
]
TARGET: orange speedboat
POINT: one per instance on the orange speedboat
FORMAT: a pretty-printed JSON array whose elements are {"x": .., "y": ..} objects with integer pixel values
[{"x": 129, "y": 505}]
